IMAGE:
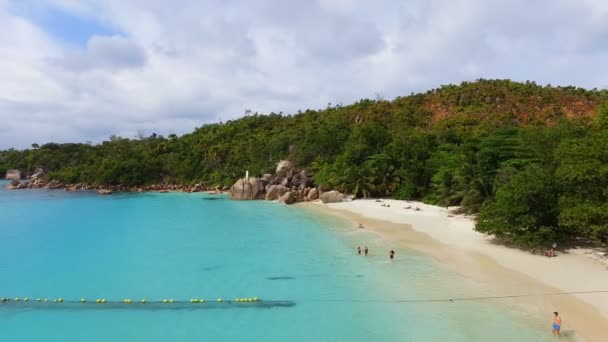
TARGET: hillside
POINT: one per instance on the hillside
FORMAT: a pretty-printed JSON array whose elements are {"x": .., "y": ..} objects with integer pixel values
[{"x": 524, "y": 155}]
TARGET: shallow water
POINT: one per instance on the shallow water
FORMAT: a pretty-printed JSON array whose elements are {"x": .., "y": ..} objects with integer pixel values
[{"x": 182, "y": 246}]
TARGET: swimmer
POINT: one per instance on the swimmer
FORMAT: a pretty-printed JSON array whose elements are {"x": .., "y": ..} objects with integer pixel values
[
  {"x": 391, "y": 254},
  {"x": 359, "y": 250},
  {"x": 557, "y": 323},
  {"x": 365, "y": 250}
]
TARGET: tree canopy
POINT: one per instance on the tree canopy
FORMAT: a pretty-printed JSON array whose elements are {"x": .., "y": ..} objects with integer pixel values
[{"x": 531, "y": 160}]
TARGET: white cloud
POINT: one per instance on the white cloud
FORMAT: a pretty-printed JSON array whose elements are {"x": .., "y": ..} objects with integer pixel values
[{"x": 176, "y": 66}]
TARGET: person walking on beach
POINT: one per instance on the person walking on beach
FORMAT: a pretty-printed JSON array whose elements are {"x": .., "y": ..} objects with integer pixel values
[
  {"x": 391, "y": 254},
  {"x": 359, "y": 250},
  {"x": 365, "y": 250},
  {"x": 557, "y": 324}
]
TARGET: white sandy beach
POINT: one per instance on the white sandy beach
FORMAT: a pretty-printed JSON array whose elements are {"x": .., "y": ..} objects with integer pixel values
[{"x": 505, "y": 271}]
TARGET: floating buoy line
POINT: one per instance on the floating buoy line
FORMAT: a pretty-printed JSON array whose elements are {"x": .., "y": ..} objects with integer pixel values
[
  {"x": 168, "y": 303},
  {"x": 251, "y": 302}
]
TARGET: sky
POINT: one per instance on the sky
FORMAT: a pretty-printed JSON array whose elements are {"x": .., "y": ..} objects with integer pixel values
[{"x": 81, "y": 71}]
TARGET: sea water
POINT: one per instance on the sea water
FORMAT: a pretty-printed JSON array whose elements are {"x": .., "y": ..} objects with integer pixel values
[{"x": 73, "y": 245}]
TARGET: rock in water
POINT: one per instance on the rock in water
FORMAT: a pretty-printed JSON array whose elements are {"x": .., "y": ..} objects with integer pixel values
[
  {"x": 313, "y": 194},
  {"x": 247, "y": 189},
  {"x": 274, "y": 192},
  {"x": 13, "y": 174},
  {"x": 104, "y": 192},
  {"x": 284, "y": 169},
  {"x": 288, "y": 198},
  {"x": 331, "y": 197}
]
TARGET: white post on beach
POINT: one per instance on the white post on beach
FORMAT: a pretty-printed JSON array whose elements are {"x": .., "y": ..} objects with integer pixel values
[{"x": 247, "y": 174}]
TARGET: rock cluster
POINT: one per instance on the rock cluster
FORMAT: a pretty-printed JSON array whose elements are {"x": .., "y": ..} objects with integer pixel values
[{"x": 288, "y": 185}]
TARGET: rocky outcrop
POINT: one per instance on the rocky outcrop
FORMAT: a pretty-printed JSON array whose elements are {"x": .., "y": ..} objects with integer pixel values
[
  {"x": 331, "y": 197},
  {"x": 284, "y": 169},
  {"x": 55, "y": 184},
  {"x": 104, "y": 192},
  {"x": 13, "y": 174},
  {"x": 288, "y": 198},
  {"x": 251, "y": 188},
  {"x": 39, "y": 173},
  {"x": 313, "y": 194},
  {"x": 15, "y": 184},
  {"x": 274, "y": 192}
]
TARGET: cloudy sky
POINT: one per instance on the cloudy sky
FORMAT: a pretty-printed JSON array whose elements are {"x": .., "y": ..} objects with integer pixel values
[{"x": 83, "y": 70}]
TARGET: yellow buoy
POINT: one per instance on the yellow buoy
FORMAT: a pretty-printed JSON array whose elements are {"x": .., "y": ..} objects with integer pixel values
[
  {"x": 46, "y": 299},
  {"x": 255, "y": 299},
  {"x": 164, "y": 300},
  {"x": 219, "y": 300},
  {"x": 16, "y": 299},
  {"x": 82, "y": 300},
  {"x": 143, "y": 301},
  {"x": 201, "y": 301},
  {"x": 103, "y": 300},
  {"x": 171, "y": 300},
  {"x": 60, "y": 300},
  {"x": 38, "y": 299},
  {"x": 26, "y": 299},
  {"x": 97, "y": 300}
]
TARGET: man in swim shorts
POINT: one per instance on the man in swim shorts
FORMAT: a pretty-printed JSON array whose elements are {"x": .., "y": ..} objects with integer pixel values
[{"x": 557, "y": 323}]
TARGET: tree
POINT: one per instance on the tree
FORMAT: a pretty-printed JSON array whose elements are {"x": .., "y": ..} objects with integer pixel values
[{"x": 524, "y": 210}]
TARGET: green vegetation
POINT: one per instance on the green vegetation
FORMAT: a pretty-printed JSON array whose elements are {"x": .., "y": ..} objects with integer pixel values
[{"x": 532, "y": 161}]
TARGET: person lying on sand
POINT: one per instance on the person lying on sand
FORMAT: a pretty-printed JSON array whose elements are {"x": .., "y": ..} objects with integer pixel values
[{"x": 550, "y": 253}]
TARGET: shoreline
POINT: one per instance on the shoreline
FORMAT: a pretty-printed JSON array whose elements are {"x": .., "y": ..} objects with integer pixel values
[{"x": 500, "y": 271}]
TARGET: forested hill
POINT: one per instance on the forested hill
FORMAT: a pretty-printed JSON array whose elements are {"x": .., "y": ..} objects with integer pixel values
[{"x": 533, "y": 159}]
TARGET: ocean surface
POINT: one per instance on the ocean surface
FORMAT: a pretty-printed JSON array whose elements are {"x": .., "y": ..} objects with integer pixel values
[{"x": 303, "y": 267}]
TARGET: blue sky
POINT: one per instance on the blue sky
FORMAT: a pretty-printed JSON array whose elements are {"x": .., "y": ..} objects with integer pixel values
[
  {"x": 84, "y": 70},
  {"x": 61, "y": 24}
]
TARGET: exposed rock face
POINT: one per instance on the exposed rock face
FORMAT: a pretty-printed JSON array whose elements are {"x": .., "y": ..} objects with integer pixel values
[
  {"x": 54, "y": 184},
  {"x": 247, "y": 189},
  {"x": 38, "y": 173},
  {"x": 284, "y": 169},
  {"x": 13, "y": 174},
  {"x": 104, "y": 192},
  {"x": 288, "y": 198},
  {"x": 331, "y": 197},
  {"x": 274, "y": 192},
  {"x": 313, "y": 194}
]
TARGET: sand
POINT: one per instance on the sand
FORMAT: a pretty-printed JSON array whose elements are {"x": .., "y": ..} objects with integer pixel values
[{"x": 499, "y": 270}]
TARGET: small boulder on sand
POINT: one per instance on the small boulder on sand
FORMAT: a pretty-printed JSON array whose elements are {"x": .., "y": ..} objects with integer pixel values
[{"x": 332, "y": 197}]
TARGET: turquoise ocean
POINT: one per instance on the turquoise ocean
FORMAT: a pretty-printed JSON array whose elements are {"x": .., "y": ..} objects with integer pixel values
[{"x": 302, "y": 265}]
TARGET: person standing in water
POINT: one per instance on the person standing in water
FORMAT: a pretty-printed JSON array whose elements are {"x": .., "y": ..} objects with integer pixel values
[
  {"x": 557, "y": 324},
  {"x": 391, "y": 254},
  {"x": 359, "y": 250},
  {"x": 365, "y": 250}
]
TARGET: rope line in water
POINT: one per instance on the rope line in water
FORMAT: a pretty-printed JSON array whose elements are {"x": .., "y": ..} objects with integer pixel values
[
  {"x": 457, "y": 298},
  {"x": 249, "y": 302}
]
